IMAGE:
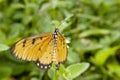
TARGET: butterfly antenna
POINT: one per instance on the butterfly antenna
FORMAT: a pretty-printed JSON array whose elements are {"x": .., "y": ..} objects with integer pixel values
[{"x": 64, "y": 23}]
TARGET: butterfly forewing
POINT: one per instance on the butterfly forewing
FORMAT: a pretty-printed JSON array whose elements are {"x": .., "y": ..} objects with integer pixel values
[
  {"x": 61, "y": 48},
  {"x": 32, "y": 48}
]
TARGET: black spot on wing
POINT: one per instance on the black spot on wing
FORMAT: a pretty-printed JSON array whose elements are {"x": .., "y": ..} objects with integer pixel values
[
  {"x": 24, "y": 43},
  {"x": 39, "y": 49},
  {"x": 33, "y": 41},
  {"x": 40, "y": 38}
]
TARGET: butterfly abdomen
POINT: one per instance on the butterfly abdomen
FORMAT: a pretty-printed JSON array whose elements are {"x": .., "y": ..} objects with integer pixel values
[{"x": 55, "y": 36}]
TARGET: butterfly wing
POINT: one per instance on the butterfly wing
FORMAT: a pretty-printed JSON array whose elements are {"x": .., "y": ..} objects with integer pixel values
[
  {"x": 37, "y": 48},
  {"x": 61, "y": 49},
  {"x": 42, "y": 49},
  {"x": 45, "y": 61}
]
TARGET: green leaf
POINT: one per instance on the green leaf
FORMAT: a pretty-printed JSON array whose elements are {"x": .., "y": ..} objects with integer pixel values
[
  {"x": 56, "y": 74},
  {"x": 15, "y": 31},
  {"x": 73, "y": 57},
  {"x": 76, "y": 69},
  {"x": 50, "y": 73},
  {"x": 2, "y": 37},
  {"x": 102, "y": 55},
  {"x": 5, "y": 72},
  {"x": 91, "y": 32},
  {"x": 3, "y": 47},
  {"x": 114, "y": 69},
  {"x": 17, "y": 6}
]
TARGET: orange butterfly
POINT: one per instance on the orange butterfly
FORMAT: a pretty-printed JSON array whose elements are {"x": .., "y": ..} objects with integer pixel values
[{"x": 43, "y": 49}]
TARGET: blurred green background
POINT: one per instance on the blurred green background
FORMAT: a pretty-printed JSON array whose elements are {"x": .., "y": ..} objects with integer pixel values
[{"x": 92, "y": 28}]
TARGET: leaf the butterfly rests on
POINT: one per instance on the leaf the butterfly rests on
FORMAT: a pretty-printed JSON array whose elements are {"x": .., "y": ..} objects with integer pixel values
[{"x": 43, "y": 49}]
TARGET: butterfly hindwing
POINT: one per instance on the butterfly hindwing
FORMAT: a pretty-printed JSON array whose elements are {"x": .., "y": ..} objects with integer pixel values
[{"x": 45, "y": 61}]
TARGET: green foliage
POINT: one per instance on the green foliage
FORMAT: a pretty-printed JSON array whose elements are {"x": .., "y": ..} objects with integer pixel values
[
  {"x": 91, "y": 27},
  {"x": 76, "y": 69},
  {"x": 3, "y": 47},
  {"x": 69, "y": 73}
]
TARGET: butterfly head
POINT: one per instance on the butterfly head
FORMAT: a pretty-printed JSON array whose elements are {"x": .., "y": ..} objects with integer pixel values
[{"x": 56, "y": 29}]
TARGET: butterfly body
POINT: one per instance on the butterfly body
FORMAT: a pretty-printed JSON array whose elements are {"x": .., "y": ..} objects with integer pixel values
[{"x": 43, "y": 49}]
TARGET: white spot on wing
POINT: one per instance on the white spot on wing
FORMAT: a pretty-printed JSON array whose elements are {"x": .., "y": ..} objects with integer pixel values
[
  {"x": 38, "y": 64},
  {"x": 67, "y": 46},
  {"x": 45, "y": 67},
  {"x": 41, "y": 66}
]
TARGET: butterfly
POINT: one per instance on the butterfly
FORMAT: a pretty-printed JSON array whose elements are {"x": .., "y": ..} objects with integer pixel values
[{"x": 43, "y": 50}]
